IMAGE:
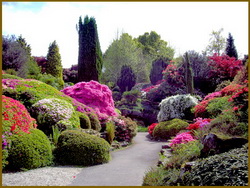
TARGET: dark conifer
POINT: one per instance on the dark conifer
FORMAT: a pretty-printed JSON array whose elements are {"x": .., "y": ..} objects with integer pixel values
[
  {"x": 127, "y": 79},
  {"x": 231, "y": 49}
]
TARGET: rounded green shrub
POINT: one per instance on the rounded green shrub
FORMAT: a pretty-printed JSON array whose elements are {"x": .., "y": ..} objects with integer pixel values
[
  {"x": 226, "y": 169},
  {"x": 9, "y": 76},
  {"x": 84, "y": 120},
  {"x": 94, "y": 121},
  {"x": 78, "y": 148},
  {"x": 53, "y": 111},
  {"x": 30, "y": 150},
  {"x": 167, "y": 129}
]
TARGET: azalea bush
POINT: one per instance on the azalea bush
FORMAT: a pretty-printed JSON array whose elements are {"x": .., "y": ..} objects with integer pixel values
[
  {"x": 173, "y": 76},
  {"x": 151, "y": 128},
  {"x": 181, "y": 138},
  {"x": 199, "y": 123},
  {"x": 223, "y": 67},
  {"x": 15, "y": 117},
  {"x": 95, "y": 95},
  {"x": 125, "y": 129},
  {"x": 178, "y": 106},
  {"x": 54, "y": 112}
]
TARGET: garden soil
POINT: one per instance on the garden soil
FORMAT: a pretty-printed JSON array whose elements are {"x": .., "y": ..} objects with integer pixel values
[{"x": 126, "y": 168}]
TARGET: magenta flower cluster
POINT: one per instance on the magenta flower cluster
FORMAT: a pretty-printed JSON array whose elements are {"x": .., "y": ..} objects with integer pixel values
[
  {"x": 181, "y": 138},
  {"x": 94, "y": 95}
]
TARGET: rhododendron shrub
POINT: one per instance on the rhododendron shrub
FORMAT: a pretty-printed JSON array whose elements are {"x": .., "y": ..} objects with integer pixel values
[
  {"x": 55, "y": 112},
  {"x": 125, "y": 129},
  {"x": 151, "y": 128},
  {"x": 173, "y": 76},
  {"x": 95, "y": 95},
  {"x": 176, "y": 107},
  {"x": 224, "y": 67},
  {"x": 15, "y": 117},
  {"x": 199, "y": 123},
  {"x": 181, "y": 138}
]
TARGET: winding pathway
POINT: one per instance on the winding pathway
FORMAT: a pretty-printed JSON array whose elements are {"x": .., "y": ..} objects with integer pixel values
[{"x": 127, "y": 167}]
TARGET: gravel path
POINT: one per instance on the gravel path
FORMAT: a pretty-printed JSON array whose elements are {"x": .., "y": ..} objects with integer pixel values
[{"x": 126, "y": 168}]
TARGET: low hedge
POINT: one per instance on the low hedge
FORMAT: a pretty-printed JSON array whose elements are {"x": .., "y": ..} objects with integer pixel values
[
  {"x": 30, "y": 151},
  {"x": 167, "y": 129},
  {"x": 78, "y": 148}
]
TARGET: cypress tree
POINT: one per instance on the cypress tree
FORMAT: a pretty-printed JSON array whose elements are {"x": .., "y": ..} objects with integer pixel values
[
  {"x": 54, "y": 63},
  {"x": 156, "y": 72},
  {"x": 127, "y": 79},
  {"x": 89, "y": 54},
  {"x": 188, "y": 74},
  {"x": 231, "y": 49}
]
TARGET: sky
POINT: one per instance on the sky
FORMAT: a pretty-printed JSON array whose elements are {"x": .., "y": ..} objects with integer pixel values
[{"x": 184, "y": 25}]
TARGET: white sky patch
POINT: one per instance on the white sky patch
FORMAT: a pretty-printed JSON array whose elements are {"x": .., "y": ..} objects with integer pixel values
[{"x": 185, "y": 26}]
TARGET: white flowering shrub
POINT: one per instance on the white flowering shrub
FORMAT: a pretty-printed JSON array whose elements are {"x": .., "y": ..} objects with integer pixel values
[
  {"x": 175, "y": 107},
  {"x": 53, "y": 111}
]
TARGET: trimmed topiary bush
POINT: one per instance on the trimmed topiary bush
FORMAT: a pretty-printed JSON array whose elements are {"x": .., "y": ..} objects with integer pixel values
[
  {"x": 77, "y": 148},
  {"x": 30, "y": 150},
  {"x": 167, "y": 129},
  {"x": 84, "y": 120},
  {"x": 226, "y": 169},
  {"x": 178, "y": 106},
  {"x": 53, "y": 111}
]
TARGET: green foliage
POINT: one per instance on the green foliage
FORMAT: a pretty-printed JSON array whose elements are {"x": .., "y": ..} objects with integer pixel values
[
  {"x": 55, "y": 135},
  {"x": 154, "y": 46},
  {"x": 226, "y": 169},
  {"x": 132, "y": 96},
  {"x": 78, "y": 148},
  {"x": 127, "y": 79},
  {"x": 217, "y": 105},
  {"x": 94, "y": 121},
  {"x": 142, "y": 129},
  {"x": 110, "y": 129},
  {"x": 228, "y": 123},
  {"x": 50, "y": 80},
  {"x": 90, "y": 55},
  {"x": 230, "y": 48},
  {"x": 155, "y": 177},
  {"x": 30, "y": 150},
  {"x": 184, "y": 153},
  {"x": 217, "y": 43},
  {"x": 54, "y": 63},
  {"x": 9, "y": 76},
  {"x": 188, "y": 74},
  {"x": 84, "y": 120},
  {"x": 167, "y": 129},
  {"x": 11, "y": 72},
  {"x": 125, "y": 51}
]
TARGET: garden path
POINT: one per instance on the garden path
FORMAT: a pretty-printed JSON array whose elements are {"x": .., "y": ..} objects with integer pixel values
[{"x": 127, "y": 167}]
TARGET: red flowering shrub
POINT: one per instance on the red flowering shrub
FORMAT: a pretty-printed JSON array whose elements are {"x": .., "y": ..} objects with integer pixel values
[
  {"x": 15, "y": 116},
  {"x": 200, "y": 109},
  {"x": 151, "y": 128},
  {"x": 231, "y": 89},
  {"x": 181, "y": 138},
  {"x": 150, "y": 88},
  {"x": 95, "y": 95},
  {"x": 224, "y": 67}
]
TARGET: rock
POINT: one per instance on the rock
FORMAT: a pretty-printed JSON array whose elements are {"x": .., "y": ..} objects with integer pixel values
[{"x": 213, "y": 144}]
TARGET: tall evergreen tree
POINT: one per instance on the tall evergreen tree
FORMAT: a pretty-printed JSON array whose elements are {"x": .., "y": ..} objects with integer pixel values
[
  {"x": 230, "y": 49},
  {"x": 90, "y": 55},
  {"x": 54, "y": 63},
  {"x": 188, "y": 74}
]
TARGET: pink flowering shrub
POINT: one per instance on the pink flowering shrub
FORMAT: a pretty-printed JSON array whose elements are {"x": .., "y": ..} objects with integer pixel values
[
  {"x": 151, "y": 128},
  {"x": 199, "y": 123},
  {"x": 95, "y": 95},
  {"x": 181, "y": 138}
]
